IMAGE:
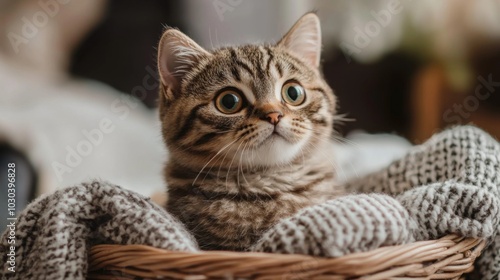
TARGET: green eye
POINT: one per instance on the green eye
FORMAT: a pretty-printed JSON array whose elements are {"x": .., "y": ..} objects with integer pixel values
[
  {"x": 293, "y": 93},
  {"x": 229, "y": 102}
]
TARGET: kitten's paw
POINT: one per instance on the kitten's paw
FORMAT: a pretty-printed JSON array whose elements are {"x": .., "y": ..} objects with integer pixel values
[{"x": 354, "y": 223}]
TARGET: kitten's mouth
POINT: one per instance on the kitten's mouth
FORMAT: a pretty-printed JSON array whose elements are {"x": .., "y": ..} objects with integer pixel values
[
  {"x": 275, "y": 132},
  {"x": 273, "y": 136}
]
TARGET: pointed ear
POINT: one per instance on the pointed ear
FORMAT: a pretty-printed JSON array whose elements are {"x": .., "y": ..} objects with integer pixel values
[
  {"x": 304, "y": 39},
  {"x": 177, "y": 54}
]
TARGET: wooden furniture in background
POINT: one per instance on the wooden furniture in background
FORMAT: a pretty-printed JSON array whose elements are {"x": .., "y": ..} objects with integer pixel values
[{"x": 432, "y": 98}]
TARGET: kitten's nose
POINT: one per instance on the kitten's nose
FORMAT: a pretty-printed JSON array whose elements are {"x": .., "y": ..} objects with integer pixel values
[{"x": 274, "y": 117}]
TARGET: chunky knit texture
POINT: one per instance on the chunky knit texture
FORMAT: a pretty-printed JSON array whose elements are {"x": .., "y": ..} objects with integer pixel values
[
  {"x": 456, "y": 181},
  {"x": 450, "y": 184},
  {"x": 342, "y": 226},
  {"x": 56, "y": 231}
]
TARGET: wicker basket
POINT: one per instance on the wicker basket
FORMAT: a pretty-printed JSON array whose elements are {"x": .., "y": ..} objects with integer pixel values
[{"x": 446, "y": 258}]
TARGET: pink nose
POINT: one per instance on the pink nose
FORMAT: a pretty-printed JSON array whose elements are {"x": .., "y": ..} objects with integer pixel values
[{"x": 274, "y": 117}]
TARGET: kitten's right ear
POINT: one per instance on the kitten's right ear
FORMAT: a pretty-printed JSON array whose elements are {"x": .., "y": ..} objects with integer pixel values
[
  {"x": 304, "y": 39},
  {"x": 177, "y": 54}
]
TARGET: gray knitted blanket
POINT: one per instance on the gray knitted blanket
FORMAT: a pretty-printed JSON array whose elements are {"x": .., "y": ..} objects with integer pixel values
[{"x": 450, "y": 184}]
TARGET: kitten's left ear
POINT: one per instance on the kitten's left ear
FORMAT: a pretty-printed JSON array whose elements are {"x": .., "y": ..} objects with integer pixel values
[{"x": 304, "y": 39}]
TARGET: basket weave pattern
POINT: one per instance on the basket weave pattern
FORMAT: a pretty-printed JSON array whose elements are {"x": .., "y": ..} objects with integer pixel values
[{"x": 446, "y": 258}]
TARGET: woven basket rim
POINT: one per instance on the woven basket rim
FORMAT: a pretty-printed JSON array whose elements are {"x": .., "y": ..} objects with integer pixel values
[{"x": 445, "y": 258}]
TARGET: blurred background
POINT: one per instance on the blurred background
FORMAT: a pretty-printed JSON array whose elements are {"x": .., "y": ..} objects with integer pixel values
[{"x": 79, "y": 86}]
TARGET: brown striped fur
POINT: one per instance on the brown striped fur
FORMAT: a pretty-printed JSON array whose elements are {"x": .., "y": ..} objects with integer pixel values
[{"x": 232, "y": 176}]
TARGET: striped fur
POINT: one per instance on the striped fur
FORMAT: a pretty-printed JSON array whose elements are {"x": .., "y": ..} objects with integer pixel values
[{"x": 229, "y": 176}]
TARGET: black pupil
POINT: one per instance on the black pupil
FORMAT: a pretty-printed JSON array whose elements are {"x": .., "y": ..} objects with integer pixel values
[
  {"x": 293, "y": 92},
  {"x": 229, "y": 101}
]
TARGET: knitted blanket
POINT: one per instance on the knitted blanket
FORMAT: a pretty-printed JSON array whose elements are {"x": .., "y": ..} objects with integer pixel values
[{"x": 450, "y": 184}]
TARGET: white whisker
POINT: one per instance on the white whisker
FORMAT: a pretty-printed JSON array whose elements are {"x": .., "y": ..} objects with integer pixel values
[
  {"x": 211, "y": 160},
  {"x": 234, "y": 155}
]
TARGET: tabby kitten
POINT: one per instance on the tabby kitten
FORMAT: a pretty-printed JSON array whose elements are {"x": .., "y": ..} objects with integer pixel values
[{"x": 248, "y": 129}]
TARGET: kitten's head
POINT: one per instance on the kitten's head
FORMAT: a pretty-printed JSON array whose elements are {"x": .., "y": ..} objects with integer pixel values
[{"x": 254, "y": 105}]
